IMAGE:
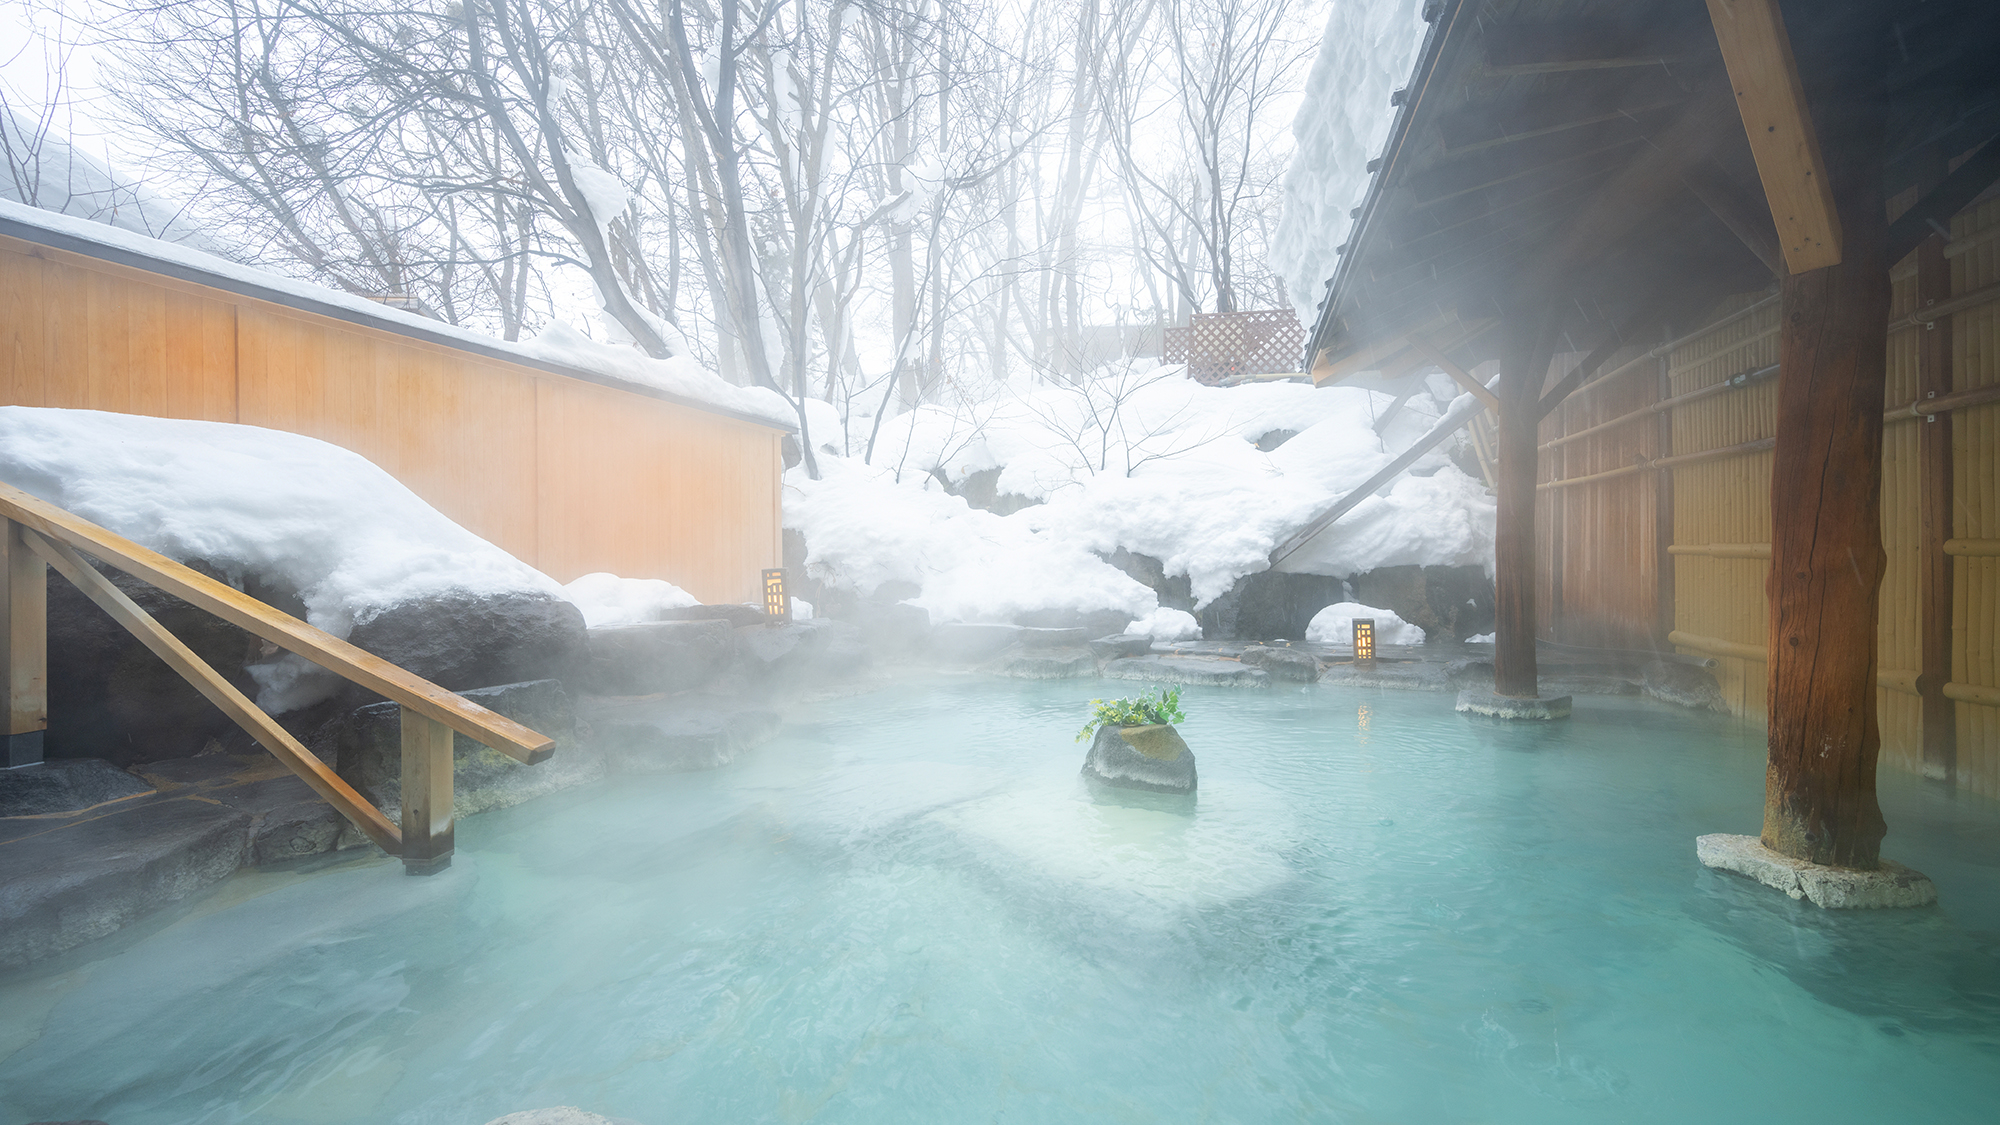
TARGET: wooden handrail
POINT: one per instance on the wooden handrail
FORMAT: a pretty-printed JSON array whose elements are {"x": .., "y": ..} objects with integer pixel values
[
  {"x": 1722, "y": 550},
  {"x": 282, "y": 629},
  {"x": 219, "y": 691}
]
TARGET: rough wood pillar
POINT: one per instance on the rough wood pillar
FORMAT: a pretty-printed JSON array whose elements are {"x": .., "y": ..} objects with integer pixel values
[
  {"x": 427, "y": 797},
  {"x": 1524, "y": 367},
  {"x": 24, "y": 648},
  {"x": 1934, "y": 485},
  {"x": 1826, "y": 482}
]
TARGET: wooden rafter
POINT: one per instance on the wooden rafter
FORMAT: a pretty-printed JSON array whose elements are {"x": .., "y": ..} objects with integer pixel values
[
  {"x": 1778, "y": 123},
  {"x": 1554, "y": 48}
]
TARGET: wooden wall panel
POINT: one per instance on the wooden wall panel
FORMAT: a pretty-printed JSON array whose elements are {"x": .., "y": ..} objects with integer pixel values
[
  {"x": 669, "y": 501},
  {"x": 570, "y": 476},
  {"x": 1976, "y": 499}
]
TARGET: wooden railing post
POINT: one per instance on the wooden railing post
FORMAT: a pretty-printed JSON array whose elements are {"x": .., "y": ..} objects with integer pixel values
[
  {"x": 427, "y": 827},
  {"x": 24, "y": 648}
]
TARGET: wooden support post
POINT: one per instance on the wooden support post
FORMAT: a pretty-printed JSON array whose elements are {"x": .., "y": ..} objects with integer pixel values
[
  {"x": 427, "y": 822},
  {"x": 1826, "y": 479},
  {"x": 1934, "y": 519},
  {"x": 24, "y": 648},
  {"x": 1558, "y": 523},
  {"x": 1524, "y": 367}
]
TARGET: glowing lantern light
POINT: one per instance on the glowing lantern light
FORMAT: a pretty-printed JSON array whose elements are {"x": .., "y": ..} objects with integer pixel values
[
  {"x": 1364, "y": 638},
  {"x": 776, "y": 604}
]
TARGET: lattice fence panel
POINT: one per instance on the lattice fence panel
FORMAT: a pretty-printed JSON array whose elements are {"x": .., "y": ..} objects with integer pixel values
[{"x": 1221, "y": 346}]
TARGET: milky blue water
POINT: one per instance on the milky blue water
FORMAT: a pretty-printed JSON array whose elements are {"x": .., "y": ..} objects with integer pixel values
[{"x": 908, "y": 909}]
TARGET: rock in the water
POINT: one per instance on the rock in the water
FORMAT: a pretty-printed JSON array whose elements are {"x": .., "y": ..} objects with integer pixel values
[
  {"x": 1151, "y": 758},
  {"x": 1672, "y": 682},
  {"x": 1094, "y": 623},
  {"x": 1283, "y": 663},
  {"x": 370, "y": 752},
  {"x": 799, "y": 653},
  {"x": 1472, "y": 701},
  {"x": 1055, "y": 664},
  {"x": 1186, "y": 670},
  {"x": 65, "y": 785},
  {"x": 462, "y": 640},
  {"x": 659, "y": 739},
  {"x": 658, "y": 656},
  {"x": 972, "y": 642},
  {"x": 81, "y": 881},
  {"x": 1832, "y": 888},
  {"x": 1121, "y": 644},
  {"x": 737, "y": 615},
  {"x": 1030, "y": 637},
  {"x": 287, "y": 819}
]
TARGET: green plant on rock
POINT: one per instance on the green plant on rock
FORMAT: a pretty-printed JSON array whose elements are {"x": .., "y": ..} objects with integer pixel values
[{"x": 1140, "y": 712}]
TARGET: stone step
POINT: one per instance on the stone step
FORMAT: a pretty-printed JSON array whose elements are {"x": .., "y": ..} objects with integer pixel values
[{"x": 65, "y": 881}]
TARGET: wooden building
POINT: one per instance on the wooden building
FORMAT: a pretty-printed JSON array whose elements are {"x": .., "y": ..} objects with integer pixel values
[
  {"x": 1735, "y": 265},
  {"x": 569, "y": 469}
]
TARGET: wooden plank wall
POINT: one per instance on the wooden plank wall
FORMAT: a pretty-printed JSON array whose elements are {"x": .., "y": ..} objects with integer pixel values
[
  {"x": 568, "y": 475},
  {"x": 1726, "y": 501},
  {"x": 1600, "y": 580}
]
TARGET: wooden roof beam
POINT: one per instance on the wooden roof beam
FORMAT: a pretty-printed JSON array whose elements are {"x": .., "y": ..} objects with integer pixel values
[
  {"x": 1554, "y": 48},
  {"x": 1758, "y": 55}
]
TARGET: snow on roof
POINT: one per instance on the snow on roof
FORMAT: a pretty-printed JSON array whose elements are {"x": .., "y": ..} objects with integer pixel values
[
  {"x": 562, "y": 351},
  {"x": 1342, "y": 123}
]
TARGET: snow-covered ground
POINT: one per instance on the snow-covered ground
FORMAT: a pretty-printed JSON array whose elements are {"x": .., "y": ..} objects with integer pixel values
[{"x": 1138, "y": 457}]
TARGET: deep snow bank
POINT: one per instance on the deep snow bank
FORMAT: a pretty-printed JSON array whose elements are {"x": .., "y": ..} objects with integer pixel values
[
  {"x": 345, "y": 534},
  {"x": 1139, "y": 458},
  {"x": 1344, "y": 118}
]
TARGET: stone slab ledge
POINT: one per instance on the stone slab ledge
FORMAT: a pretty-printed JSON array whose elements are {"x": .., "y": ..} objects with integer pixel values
[{"x": 1833, "y": 888}]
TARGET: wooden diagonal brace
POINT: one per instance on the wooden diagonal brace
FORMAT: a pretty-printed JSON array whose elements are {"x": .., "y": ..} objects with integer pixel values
[
  {"x": 219, "y": 691},
  {"x": 1458, "y": 374}
]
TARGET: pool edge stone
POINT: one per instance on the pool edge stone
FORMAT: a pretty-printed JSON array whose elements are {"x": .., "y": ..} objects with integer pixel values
[
  {"x": 1473, "y": 701},
  {"x": 1831, "y": 888}
]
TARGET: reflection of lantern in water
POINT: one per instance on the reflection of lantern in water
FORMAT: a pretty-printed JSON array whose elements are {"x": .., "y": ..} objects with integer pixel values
[
  {"x": 1363, "y": 715},
  {"x": 776, "y": 604},
  {"x": 1364, "y": 638}
]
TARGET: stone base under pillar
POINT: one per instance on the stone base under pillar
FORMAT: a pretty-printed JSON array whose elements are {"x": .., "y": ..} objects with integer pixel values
[
  {"x": 1834, "y": 888},
  {"x": 17, "y": 750},
  {"x": 1473, "y": 701}
]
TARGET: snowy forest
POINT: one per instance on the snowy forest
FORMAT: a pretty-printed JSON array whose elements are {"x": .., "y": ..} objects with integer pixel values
[
  {"x": 940, "y": 238},
  {"x": 866, "y": 203}
]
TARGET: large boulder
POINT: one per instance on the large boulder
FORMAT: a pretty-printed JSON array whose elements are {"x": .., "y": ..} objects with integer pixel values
[
  {"x": 1186, "y": 670},
  {"x": 370, "y": 752},
  {"x": 1670, "y": 681},
  {"x": 658, "y": 656},
  {"x": 1446, "y": 602},
  {"x": 61, "y": 786},
  {"x": 1121, "y": 644},
  {"x": 1149, "y": 758},
  {"x": 1268, "y": 605},
  {"x": 463, "y": 640},
  {"x": 111, "y": 698},
  {"x": 1045, "y": 664},
  {"x": 736, "y": 615}
]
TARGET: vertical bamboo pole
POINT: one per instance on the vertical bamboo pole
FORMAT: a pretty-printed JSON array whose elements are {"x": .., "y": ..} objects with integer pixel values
[
  {"x": 427, "y": 821},
  {"x": 24, "y": 648},
  {"x": 1826, "y": 482},
  {"x": 1939, "y": 721},
  {"x": 1663, "y": 512}
]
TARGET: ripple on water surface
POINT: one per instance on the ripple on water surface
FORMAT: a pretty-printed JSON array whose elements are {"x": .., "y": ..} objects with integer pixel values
[{"x": 910, "y": 909}]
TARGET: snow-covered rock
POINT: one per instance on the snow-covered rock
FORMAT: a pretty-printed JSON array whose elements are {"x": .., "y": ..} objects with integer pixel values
[
  {"x": 607, "y": 599},
  {"x": 1334, "y": 625}
]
